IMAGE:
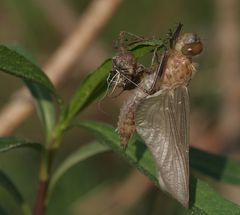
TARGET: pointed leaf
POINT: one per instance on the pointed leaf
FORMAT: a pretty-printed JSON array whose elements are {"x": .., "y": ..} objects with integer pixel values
[
  {"x": 215, "y": 166},
  {"x": 203, "y": 199},
  {"x": 15, "y": 64},
  {"x": 42, "y": 96},
  {"x": 139, "y": 156},
  {"x": 151, "y": 42},
  {"x": 90, "y": 88},
  {"x": 45, "y": 107},
  {"x": 81, "y": 154},
  {"x": 2, "y": 211},
  {"x": 142, "y": 48},
  {"x": 9, "y": 143},
  {"x": 8, "y": 185},
  {"x": 218, "y": 167}
]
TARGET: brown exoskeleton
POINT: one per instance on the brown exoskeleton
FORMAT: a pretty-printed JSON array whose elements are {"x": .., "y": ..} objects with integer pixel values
[{"x": 126, "y": 72}]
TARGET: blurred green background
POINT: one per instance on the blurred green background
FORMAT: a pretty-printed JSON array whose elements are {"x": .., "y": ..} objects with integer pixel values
[{"x": 41, "y": 26}]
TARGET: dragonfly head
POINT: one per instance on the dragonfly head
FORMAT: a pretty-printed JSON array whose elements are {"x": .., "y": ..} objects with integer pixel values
[{"x": 189, "y": 44}]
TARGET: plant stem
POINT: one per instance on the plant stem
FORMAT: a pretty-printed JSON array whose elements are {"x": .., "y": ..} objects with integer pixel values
[
  {"x": 45, "y": 165},
  {"x": 39, "y": 208}
]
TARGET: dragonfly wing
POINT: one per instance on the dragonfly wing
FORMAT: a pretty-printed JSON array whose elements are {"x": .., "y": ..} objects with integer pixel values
[{"x": 162, "y": 120}]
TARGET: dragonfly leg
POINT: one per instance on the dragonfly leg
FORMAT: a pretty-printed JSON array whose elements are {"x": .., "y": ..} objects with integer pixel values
[
  {"x": 133, "y": 37},
  {"x": 158, "y": 73},
  {"x": 155, "y": 57},
  {"x": 173, "y": 36}
]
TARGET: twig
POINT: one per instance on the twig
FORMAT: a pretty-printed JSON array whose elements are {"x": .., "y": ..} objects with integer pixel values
[
  {"x": 64, "y": 23},
  {"x": 57, "y": 68},
  {"x": 227, "y": 44},
  {"x": 93, "y": 56}
]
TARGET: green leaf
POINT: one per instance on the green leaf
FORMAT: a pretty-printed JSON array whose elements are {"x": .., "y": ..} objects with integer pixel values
[
  {"x": 139, "y": 156},
  {"x": 141, "y": 48},
  {"x": 207, "y": 201},
  {"x": 203, "y": 199},
  {"x": 43, "y": 97},
  {"x": 90, "y": 88},
  {"x": 81, "y": 154},
  {"x": 8, "y": 185},
  {"x": 9, "y": 143},
  {"x": 215, "y": 166},
  {"x": 2, "y": 211},
  {"x": 45, "y": 107},
  {"x": 218, "y": 167},
  {"x": 15, "y": 64},
  {"x": 152, "y": 42}
]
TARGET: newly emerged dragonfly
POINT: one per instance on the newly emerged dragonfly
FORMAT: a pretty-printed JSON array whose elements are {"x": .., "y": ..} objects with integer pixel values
[
  {"x": 162, "y": 118},
  {"x": 147, "y": 86}
]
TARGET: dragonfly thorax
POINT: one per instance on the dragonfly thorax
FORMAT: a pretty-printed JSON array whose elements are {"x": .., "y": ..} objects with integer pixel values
[
  {"x": 178, "y": 71},
  {"x": 179, "y": 68}
]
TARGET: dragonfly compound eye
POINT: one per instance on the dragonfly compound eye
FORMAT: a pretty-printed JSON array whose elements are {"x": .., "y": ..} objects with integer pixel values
[{"x": 189, "y": 44}]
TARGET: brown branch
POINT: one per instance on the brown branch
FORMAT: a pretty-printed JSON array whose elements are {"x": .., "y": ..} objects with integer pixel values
[
  {"x": 57, "y": 68},
  {"x": 39, "y": 208},
  {"x": 93, "y": 56},
  {"x": 227, "y": 45},
  {"x": 64, "y": 23},
  {"x": 226, "y": 51},
  {"x": 47, "y": 157}
]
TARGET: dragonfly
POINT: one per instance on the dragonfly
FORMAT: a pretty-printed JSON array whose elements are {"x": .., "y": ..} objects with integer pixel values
[
  {"x": 162, "y": 117},
  {"x": 147, "y": 86}
]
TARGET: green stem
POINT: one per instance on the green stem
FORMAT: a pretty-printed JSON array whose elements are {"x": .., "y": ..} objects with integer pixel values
[
  {"x": 57, "y": 135},
  {"x": 26, "y": 209},
  {"x": 47, "y": 155}
]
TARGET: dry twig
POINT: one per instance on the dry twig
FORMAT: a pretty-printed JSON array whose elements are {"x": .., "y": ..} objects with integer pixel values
[
  {"x": 227, "y": 72},
  {"x": 227, "y": 45},
  {"x": 64, "y": 23},
  {"x": 57, "y": 68}
]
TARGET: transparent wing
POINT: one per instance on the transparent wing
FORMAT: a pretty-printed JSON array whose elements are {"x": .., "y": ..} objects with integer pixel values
[{"x": 162, "y": 120}]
